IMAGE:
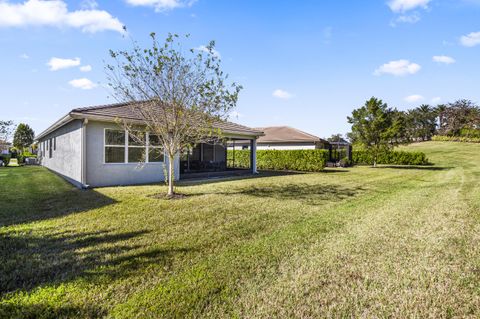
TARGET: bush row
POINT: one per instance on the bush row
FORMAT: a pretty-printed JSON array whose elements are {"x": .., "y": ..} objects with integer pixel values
[
  {"x": 364, "y": 157},
  {"x": 4, "y": 159},
  {"x": 470, "y": 132},
  {"x": 294, "y": 160},
  {"x": 441, "y": 138}
]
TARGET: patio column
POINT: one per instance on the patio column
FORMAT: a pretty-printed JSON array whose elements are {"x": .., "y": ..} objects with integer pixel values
[{"x": 253, "y": 156}]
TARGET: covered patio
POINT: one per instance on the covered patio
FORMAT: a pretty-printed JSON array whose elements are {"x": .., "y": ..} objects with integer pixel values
[{"x": 209, "y": 160}]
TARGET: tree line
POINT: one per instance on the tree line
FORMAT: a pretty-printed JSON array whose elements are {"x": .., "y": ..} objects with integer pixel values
[{"x": 378, "y": 128}]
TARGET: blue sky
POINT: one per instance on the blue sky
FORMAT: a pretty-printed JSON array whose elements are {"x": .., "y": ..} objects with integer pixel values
[{"x": 306, "y": 64}]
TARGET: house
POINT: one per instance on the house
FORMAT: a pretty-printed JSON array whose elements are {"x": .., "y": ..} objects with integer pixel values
[
  {"x": 5, "y": 147},
  {"x": 88, "y": 148},
  {"x": 284, "y": 138}
]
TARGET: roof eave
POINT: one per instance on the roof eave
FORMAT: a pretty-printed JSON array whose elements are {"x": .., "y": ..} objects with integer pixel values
[
  {"x": 110, "y": 119},
  {"x": 61, "y": 122}
]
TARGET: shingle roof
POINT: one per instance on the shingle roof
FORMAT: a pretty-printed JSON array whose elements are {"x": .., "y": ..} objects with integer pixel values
[
  {"x": 125, "y": 111},
  {"x": 285, "y": 134}
]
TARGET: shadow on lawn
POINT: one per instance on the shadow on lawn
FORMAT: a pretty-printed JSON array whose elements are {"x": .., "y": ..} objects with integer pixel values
[
  {"x": 41, "y": 205},
  {"x": 306, "y": 193},
  {"x": 416, "y": 167},
  {"x": 311, "y": 194},
  {"x": 29, "y": 260}
]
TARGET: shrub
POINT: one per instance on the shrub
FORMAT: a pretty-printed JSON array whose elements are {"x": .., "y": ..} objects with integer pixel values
[
  {"x": 470, "y": 132},
  {"x": 464, "y": 139},
  {"x": 363, "y": 157},
  {"x": 4, "y": 159},
  {"x": 295, "y": 160}
]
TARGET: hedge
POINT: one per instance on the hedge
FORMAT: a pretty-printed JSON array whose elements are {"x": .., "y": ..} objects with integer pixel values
[
  {"x": 364, "y": 157},
  {"x": 294, "y": 160},
  {"x": 5, "y": 158},
  {"x": 464, "y": 139}
]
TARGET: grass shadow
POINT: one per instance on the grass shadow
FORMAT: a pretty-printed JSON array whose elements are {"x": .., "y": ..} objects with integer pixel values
[
  {"x": 30, "y": 260},
  {"x": 306, "y": 193},
  {"x": 415, "y": 167},
  {"x": 45, "y": 206},
  {"x": 212, "y": 180},
  {"x": 311, "y": 194},
  {"x": 32, "y": 194}
]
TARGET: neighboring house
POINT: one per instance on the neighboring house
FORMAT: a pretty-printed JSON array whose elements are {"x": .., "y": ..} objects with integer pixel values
[
  {"x": 5, "y": 147},
  {"x": 284, "y": 138},
  {"x": 88, "y": 148}
]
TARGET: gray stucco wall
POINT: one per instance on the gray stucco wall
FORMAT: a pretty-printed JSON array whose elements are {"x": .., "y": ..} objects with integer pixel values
[
  {"x": 99, "y": 173},
  {"x": 66, "y": 158}
]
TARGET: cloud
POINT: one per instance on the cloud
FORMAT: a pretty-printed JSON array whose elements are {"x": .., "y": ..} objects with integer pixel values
[
  {"x": 436, "y": 100},
  {"x": 162, "y": 5},
  {"x": 398, "y": 68},
  {"x": 56, "y": 64},
  {"x": 470, "y": 40},
  {"x": 414, "y": 98},
  {"x": 443, "y": 59},
  {"x": 55, "y": 14},
  {"x": 281, "y": 94},
  {"x": 235, "y": 115},
  {"x": 86, "y": 68},
  {"x": 412, "y": 19},
  {"x": 401, "y": 6},
  {"x": 24, "y": 56},
  {"x": 89, "y": 4},
  {"x": 203, "y": 48},
  {"x": 83, "y": 83}
]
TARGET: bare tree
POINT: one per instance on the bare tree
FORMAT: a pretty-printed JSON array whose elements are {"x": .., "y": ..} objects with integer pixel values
[
  {"x": 5, "y": 132},
  {"x": 176, "y": 96}
]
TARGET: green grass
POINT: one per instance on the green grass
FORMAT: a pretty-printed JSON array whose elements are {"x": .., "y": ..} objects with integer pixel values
[{"x": 359, "y": 242}]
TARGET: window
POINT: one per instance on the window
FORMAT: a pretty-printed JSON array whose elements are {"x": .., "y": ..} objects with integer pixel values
[
  {"x": 54, "y": 143},
  {"x": 50, "y": 150},
  {"x": 155, "y": 149},
  {"x": 114, "y": 146},
  {"x": 122, "y": 149},
  {"x": 136, "y": 147}
]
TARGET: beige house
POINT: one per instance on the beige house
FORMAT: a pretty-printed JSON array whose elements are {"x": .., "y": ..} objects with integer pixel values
[{"x": 284, "y": 138}]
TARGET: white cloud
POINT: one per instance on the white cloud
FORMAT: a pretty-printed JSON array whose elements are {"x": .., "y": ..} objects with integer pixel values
[
  {"x": 24, "y": 56},
  {"x": 444, "y": 59},
  {"x": 162, "y": 5},
  {"x": 412, "y": 19},
  {"x": 398, "y": 68},
  {"x": 55, "y": 14},
  {"x": 215, "y": 53},
  {"x": 83, "y": 83},
  {"x": 470, "y": 40},
  {"x": 414, "y": 98},
  {"x": 56, "y": 64},
  {"x": 407, "y": 5},
  {"x": 436, "y": 100},
  {"x": 86, "y": 68},
  {"x": 281, "y": 94},
  {"x": 89, "y": 4},
  {"x": 235, "y": 115}
]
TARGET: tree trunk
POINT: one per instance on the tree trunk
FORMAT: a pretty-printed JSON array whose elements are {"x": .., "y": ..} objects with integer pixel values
[{"x": 171, "y": 177}]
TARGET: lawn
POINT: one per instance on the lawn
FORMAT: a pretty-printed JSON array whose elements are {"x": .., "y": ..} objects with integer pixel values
[{"x": 357, "y": 242}]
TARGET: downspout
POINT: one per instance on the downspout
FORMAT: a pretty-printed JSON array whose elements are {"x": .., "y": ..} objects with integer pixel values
[{"x": 84, "y": 154}]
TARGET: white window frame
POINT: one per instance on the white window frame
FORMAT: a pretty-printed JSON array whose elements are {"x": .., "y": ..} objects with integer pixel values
[
  {"x": 126, "y": 146},
  {"x": 136, "y": 146},
  {"x": 154, "y": 147}
]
